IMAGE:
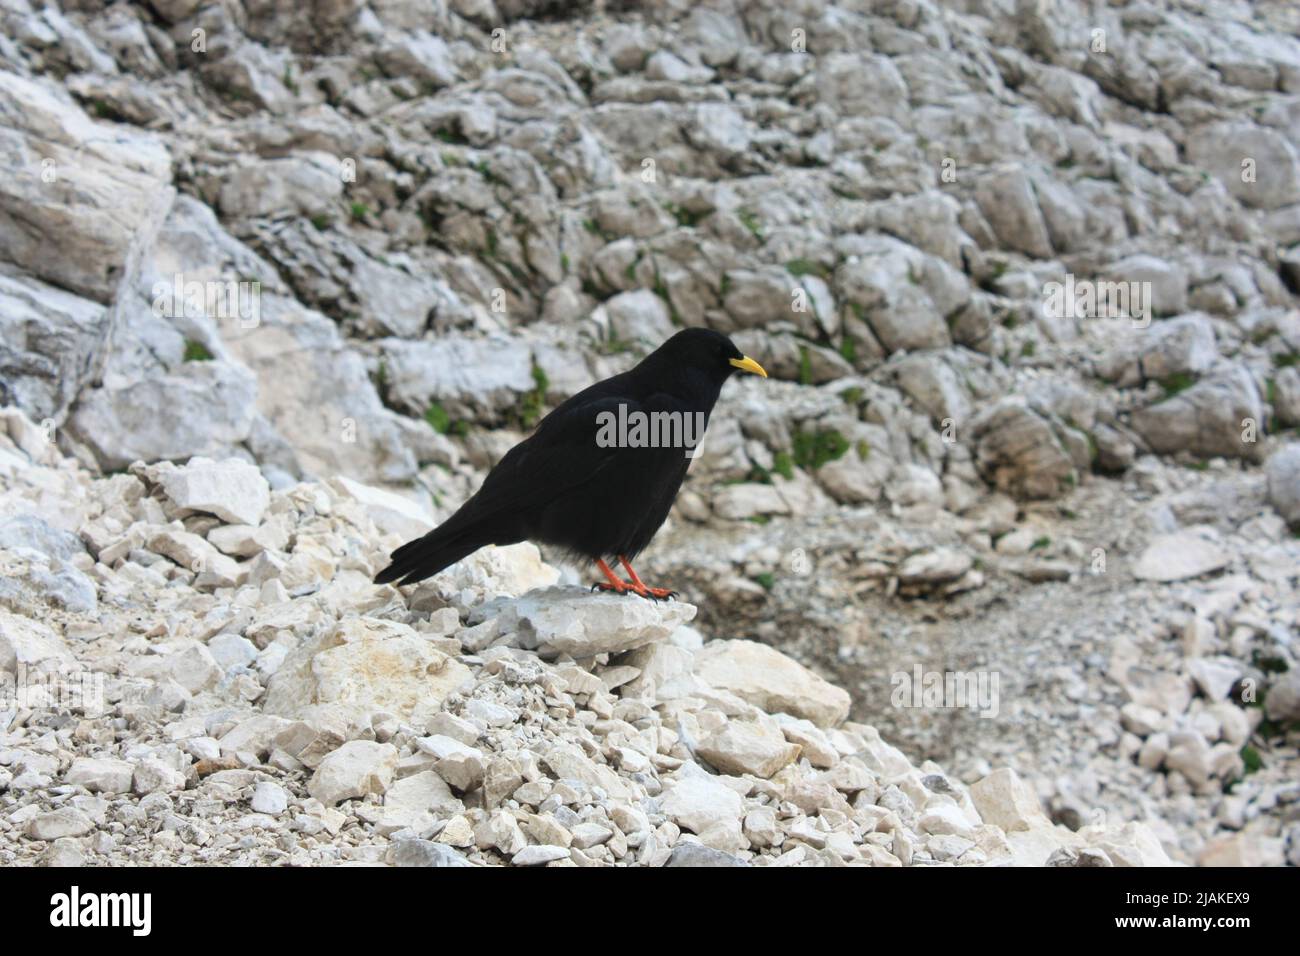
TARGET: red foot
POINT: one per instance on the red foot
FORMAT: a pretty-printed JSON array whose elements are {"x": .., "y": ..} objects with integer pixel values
[{"x": 636, "y": 586}]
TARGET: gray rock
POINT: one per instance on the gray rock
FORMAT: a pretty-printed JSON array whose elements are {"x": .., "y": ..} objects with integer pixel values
[
  {"x": 581, "y": 623},
  {"x": 50, "y": 342},
  {"x": 421, "y": 55},
  {"x": 31, "y": 531},
  {"x": 694, "y": 854},
  {"x": 903, "y": 294},
  {"x": 1006, "y": 198},
  {"x": 1167, "y": 281},
  {"x": 1018, "y": 451},
  {"x": 356, "y": 769},
  {"x": 101, "y": 775},
  {"x": 1222, "y": 148},
  {"x": 1179, "y": 555},
  {"x": 315, "y": 391},
  {"x": 539, "y": 855},
  {"x": 204, "y": 409},
  {"x": 639, "y": 317},
  {"x": 59, "y": 584},
  {"x": 108, "y": 189},
  {"x": 424, "y": 853},
  {"x": 297, "y": 185},
  {"x": 233, "y": 490},
  {"x": 1284, "y": 483},
  {"x": 1182, "y": 346},
  {"x": 469, "y": 377},
  {"x": 1283, "y": 702},
  {"x": 1222, "y": 415},
  {"x": 65, "y": 822}
]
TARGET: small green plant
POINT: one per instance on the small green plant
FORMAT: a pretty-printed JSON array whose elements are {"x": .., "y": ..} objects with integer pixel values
[
  {"x": 1178, "y": 382},
  {"x": 805, "y": 366},
  {"x": 437, "y": 418},
  {"x": 849, "y": 349},
  {"x": 1251, "y": 758},
  {"x": 765, "y": 580},
  {"x": 1270, "y": 664},
  {"x": 196, "y": 352},
  {"x": 613, "y": 345},
  {"x": 802, "y": 267},
  {"x": 750, "y": 222},
  {"x": 851, "y": 395},
  {"x": 814, "y": 449},
  {"x": 783, "y": 465},
  {"x": 684, "y": 217},
  {"x": 320, "y": 221},
  {"x": 863, "y": 448},
  {"x": 359, "y": 211},
  {"x": 534, "y": 400},
  {"x": 1041, "y": 544}
]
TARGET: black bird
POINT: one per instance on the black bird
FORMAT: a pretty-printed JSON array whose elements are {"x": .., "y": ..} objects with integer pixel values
[{"x": 586, "y": 481}]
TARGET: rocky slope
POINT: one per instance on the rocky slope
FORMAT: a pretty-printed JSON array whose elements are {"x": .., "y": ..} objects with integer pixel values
[
  {"x": 205, "y": 674},
  {"x": 374, "y": 242}
]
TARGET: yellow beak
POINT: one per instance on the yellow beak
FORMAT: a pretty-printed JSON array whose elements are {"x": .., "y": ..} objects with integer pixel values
[{"x": 747, "y": 364}]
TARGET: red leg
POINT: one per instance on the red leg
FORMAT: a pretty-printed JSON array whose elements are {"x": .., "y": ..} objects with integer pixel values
[
  {"x": 616, "y": 584},
  {"x": 641, "y": 587}
]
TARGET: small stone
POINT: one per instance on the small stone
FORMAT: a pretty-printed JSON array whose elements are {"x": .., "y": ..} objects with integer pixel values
[
  {"x": 424, "y": 853},
  {"x": 269, "y": 798},
  {"x": 771, "y": 681},
  {"x": 1178, "y": 556},
  {"x": 1006, "y": 801},
  {"x": 707, "y": 808},
  {"x": 101, "y": 775},
  {"x": 742, "y": 746},
  {"x": 64, "y": 822},
  {"x": 354, "y": 770},
  {"x": 64, "y": 852},
  {"x": 539, "y": 855},
  {"x": 154, "y": 776},
  {"x": 233, "y": 490},
  {"x": 458, "y": 832},
  {"x": 587, "y": 835},
  {"x": 693, "y": 854}
]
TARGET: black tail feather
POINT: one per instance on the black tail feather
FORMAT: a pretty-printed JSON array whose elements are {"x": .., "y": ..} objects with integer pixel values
[{"x": 425, "y": 557}]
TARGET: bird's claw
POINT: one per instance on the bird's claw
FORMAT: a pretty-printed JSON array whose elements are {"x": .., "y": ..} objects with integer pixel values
[{"x": 649, "y": 593}]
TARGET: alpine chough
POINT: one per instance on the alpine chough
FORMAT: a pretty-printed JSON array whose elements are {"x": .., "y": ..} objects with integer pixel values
[{"x": 597, "y": 477}]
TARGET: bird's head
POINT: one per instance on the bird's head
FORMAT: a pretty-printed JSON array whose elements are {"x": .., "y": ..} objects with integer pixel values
[{"x": 703, "y": 350}]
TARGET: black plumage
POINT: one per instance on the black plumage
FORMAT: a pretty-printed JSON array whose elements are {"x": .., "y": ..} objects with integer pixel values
[{"x": 564, "y": 488}]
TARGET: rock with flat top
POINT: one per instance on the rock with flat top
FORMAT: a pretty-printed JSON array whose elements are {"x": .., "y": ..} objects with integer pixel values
[
  {"x": 357, "y": 769},
  {"x": 766, "y": 678},
  {"x": 580, "y": 623},
  {"x": 233, "y": 490},
  {"x": 1180, "y": 555}
]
